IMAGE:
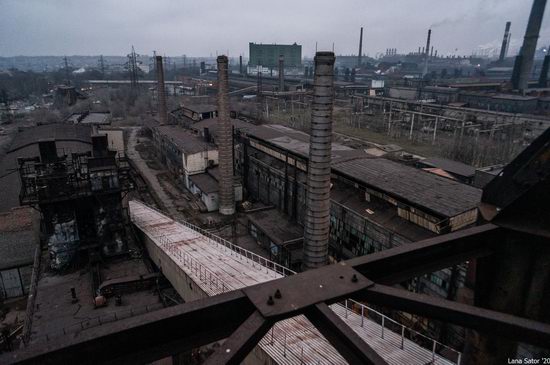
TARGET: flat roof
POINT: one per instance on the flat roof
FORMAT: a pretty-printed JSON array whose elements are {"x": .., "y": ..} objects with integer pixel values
[
  {"x": 454, "y": 167},
  {"x": 96, "y": 118},
  {"x": 433, "y": 193},
  {"x": 276, "y": 226},
  {"x": 206, "y": 183},
  {"x": 187, "y": 142}
]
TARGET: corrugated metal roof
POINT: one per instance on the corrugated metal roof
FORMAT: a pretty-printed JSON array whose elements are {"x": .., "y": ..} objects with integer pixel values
[
  {"x": 451, "y": 166},
  {"x": 187, "y": 142},
  {"x": 419, "y": 188}
]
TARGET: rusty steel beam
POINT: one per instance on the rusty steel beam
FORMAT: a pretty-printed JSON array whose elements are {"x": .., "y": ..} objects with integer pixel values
[
  {"x": 404, "y": 262},
  {"x": 197, "y": 323},
  {"x": 242, "y": 341},
  {"x": 342, "y": 337},
  {"x": 144, "y": 338},
  {"x": 483, "y": 320}
]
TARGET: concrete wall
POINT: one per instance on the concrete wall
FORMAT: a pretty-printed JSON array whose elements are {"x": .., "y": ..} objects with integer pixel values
[
  {"x": 115, "y": 139},
  {"x": 197, "y": 163},
  {"x": 189, "y": 291}
]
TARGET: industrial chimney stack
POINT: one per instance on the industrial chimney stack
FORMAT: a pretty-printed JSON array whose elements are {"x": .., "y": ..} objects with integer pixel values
[
  {"x": 505, "y": 42},
  {"x": 317, "y": 220},
  {"x": 240, "y": 65},
  {"x": 281, "y": 73},
  {"x": 225, "y": 142},
  {"x": 427, "y": 53},
  {"x": 360, "y": 48},
  {"x": 524, "y": 61},
  {"x": 543, "y": 78},
  {"x": 161, "y": 91}
]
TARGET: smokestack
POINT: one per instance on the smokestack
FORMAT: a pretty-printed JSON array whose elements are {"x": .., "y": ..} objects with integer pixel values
[
  {"x": 360, "y": 48},
  {"x": 432, "y": 52},
  {"x": 435, "y": 54},
  {"x": 526, "y": 57},
  {"x": 281, "y": 73},
  {"x": 317, "y": 220},
  {"x": 543, "y": 78},
  {"x": 422, "y": 51},
  {"x": 428, "y": 42},
  {"x": 418, "y": 50},
  {"x": 240, "y": 65},
  {"x": 161, "y": 92},
  {"x": 427, "y": 53},
  {"x": 505, "y": 40},
  {"x": 226, "y": 190}
]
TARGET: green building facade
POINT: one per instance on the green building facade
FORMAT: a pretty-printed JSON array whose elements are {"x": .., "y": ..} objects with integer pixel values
[{"x": 267, "y": 55}]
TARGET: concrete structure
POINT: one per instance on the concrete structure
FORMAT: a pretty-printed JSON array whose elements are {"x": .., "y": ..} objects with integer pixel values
[
  {"x": 161, "y": 92},
  {"x": 185, "y": 254},
  {"x": 183, "y": 153},
  {"x": 206, "y": 187},
  {"x": 225, "y": 142},
  {"x": 267, "y": 55},
  {"x": 317, "y": 223}
]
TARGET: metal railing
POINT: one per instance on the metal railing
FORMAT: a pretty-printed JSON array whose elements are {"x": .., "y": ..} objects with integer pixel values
[
  {"x": 97, "y": 321},
  {"x": 225, "y": 244},
  {"x": 217, "y": 286},
  {"x": 386, "y": 322}
]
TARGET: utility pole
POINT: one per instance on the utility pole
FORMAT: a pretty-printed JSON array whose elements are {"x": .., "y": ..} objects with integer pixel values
[{"x": 132, "y": 70}]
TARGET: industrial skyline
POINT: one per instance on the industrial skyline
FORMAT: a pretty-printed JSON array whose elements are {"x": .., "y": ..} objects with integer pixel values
[{"x": 462, "y": 28}]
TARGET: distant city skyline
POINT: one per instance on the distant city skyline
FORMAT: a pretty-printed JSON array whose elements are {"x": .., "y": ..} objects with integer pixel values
[{"x": 204, "y": 28}]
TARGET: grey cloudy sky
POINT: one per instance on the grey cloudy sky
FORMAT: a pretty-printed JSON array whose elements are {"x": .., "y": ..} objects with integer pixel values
[{"x": 204, "y": 27}]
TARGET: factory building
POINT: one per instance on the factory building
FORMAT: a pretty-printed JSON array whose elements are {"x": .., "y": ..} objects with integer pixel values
[
  {"x": 267, "y": 55},
  {"x": 183, "y": 153},
  {"x": 186, "y": 115},
  {"x": 376, "y": 203},
  {"x": 80, "y": 198},
  {"x": 19, "y": 241}
]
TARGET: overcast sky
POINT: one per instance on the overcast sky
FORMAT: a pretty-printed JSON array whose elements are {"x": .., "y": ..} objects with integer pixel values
[{"x": 204, "y": 27}]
